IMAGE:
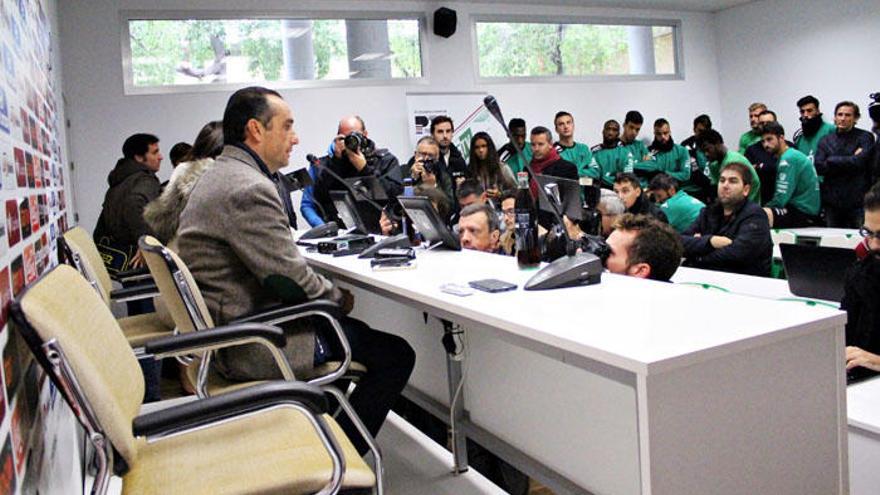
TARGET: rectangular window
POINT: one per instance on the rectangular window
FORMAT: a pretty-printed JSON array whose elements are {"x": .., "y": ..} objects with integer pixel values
[
  {"x": 186, "y": 52},
  {"x": 542, "y": 49}
]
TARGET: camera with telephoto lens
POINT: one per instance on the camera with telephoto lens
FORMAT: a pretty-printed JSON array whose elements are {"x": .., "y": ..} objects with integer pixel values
[{"x": 355, "y": 141}]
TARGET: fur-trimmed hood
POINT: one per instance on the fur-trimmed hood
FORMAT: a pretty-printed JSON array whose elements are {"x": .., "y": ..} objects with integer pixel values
[{"x": 163, "y": 214}]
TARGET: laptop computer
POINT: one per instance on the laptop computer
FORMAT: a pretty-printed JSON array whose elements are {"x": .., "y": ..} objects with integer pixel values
[{"x": 816, "y": 272}]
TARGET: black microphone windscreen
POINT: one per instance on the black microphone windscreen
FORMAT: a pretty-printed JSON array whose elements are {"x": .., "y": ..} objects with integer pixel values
[
  {"x": 492, "y": 106},
  {"x": 311, "y": 158}
]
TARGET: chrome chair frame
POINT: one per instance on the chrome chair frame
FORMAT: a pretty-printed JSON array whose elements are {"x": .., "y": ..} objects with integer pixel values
[{"x": 199, "y": 322}]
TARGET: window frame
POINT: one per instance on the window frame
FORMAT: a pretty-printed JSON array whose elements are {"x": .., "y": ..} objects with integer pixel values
[
  {"x": 675, "y": 24},
  {"x": 129, "y": 88}
]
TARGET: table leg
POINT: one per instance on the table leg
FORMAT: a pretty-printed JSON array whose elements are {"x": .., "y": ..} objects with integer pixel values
[{"x": 454, "y": 357}]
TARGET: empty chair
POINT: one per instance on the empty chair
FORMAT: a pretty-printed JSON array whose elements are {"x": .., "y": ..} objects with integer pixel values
[{"x": 80, "y": 251}]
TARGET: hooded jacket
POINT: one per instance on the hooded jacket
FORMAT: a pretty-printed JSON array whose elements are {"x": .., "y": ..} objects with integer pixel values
[
  {"x": 861, "y": 301},
  {"x": 163, "y": 214},
  {"x": 132, "y": 187}
]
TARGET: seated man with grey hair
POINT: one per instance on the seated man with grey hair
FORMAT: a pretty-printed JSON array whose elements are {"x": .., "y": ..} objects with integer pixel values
[
  {"x": 611, "y": 207},
  {"x": 479, "y": 228}
]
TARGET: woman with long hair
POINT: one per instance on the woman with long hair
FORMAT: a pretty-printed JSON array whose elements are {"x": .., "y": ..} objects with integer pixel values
[{"x": 485, "y": 166}]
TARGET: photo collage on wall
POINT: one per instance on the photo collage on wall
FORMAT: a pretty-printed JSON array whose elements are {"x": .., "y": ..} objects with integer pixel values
[{"x": 32, "y": 193}]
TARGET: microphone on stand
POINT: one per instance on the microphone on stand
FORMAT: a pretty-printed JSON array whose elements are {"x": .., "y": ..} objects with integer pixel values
[{"x": 571, "y": 270}]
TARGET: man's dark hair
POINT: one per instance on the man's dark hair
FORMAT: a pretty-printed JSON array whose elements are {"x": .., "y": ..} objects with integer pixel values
[
  {"x": 635, "y": 117},
  {"x": 178, "y": 152},
  {"x": 709, "y": 136},
  {"x": 660, "y": 122},
  {"x": 209, "y": 142},
  {"x": 662, "y": 182},
  {"x": 508, "y": 194},
  {"x": 491, "y": 218},
  {"x": 246, "y": 104},
  {"x": 630, "y": 177},
  {"x": 561, "y": 113},
  {"x": 656, "y": 244},
  {"x": 806, "y": 100},
  {"x": 610, "y": 121},
  {"x": 439, "y": 120},
  {"x": 872, "y": 198},
  {"x": 742, "y": 169},
  {"x": 138, "y": 145},
  {"x": 704, "y": 121},
  {"x": 768, "y": 112},
  {"x": 468, "y": 187},
  {"x": 774, "y": 128},
  {"x": 846, "y": 103},
  {"x": 542, "y": 130},
  {"x": 516, "y": 123}
]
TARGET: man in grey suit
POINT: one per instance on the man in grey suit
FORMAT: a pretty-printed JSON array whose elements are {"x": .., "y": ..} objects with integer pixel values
[{"x": 235, "y": 236}]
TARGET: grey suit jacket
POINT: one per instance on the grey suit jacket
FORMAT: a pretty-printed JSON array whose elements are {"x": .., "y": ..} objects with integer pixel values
[{"x": 235, "y": 238}]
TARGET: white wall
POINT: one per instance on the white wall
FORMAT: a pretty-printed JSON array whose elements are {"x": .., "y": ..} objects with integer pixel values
[
  {"x": 777, "y": 51},
  {"x": 101, "y": 116}
]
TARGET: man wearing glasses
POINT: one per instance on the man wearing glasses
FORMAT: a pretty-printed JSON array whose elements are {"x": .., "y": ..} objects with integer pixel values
[{"x": 861, "y": 298}]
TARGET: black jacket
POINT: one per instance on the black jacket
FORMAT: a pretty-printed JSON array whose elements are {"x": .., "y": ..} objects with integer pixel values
[
  {"x": 643, "y": 206},
  {"x": 381, "y": 163},
  {"x": 847, "y": 177},
  {"x": 766, "y": 165},
  {"x": 132, "y": 186},
  {"x": 861, "y": 301},
  {"x": 749, "y": 230}
]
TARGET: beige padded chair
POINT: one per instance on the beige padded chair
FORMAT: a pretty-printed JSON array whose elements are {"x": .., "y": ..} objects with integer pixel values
[
  {"x": 270, "y": 438},
  {"x": 80, "y": 251},
  {"x": 185, "y": 304}
]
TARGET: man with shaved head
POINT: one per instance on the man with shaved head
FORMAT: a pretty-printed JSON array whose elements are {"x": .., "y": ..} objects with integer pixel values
[{"x": 354, "y": 155}]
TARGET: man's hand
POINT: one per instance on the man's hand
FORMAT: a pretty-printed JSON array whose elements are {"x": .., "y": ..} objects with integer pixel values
[
  {"x": 573, "y": 229},
  {"x": 647, "y": 157},
  {"x": 347, "y": 301},
  {"x": 137, "y": 261},
  {"x": 386, "y": 225},
  {"x": 719, "y": 241},
  {"x": 459, "y": 180},
  {"x": 858, "y": 151},
  {"x": 856, "y": 356},
  {"x": 418, "y": 171},
  {"x": 493, "y": 193},
  {"x": 356, "y": 158}
]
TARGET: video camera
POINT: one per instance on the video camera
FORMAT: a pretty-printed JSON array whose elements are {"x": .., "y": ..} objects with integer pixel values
[{"x": 430, "y": 166}]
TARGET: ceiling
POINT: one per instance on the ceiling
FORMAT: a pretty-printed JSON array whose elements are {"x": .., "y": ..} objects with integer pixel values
[{"x": 687, "y": 5}]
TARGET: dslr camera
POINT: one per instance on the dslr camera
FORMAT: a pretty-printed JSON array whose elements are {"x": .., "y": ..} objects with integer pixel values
[
  {"x": 430, "y": 166},
  {"x": 355, "y": 141}
]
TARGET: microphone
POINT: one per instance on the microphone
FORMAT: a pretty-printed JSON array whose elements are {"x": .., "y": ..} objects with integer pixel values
[
  {"x": 492, "y": 106},
  {"x": 568, "y": 271},
  {"x": 312, "y": 159}
]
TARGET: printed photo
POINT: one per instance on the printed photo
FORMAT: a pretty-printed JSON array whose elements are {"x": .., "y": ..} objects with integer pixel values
[
  {"x": 35, "y": 214},
  {"x": 17, "y": 267},
  {"x": 24, "y": 214},
  {"x": 11, "y": 367},
  {"x": 5, "y": 126},
  {"x": 7, "y": 166},
  {"x": 13, "y": 229},
  {"x": 20, "y": 167},
  {"x": 29, "y": 168},
  {"x": 5, "y": 300},
  {"x": 30, "y": 264}
]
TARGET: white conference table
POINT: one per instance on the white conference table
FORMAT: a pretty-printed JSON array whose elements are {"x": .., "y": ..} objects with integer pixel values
[{"x": 630, "y": 386}]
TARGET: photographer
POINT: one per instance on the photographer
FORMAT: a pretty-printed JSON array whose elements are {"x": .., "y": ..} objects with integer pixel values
[
  {"x": 425, "y": 168},
  {"x": 355, "y": 155}
]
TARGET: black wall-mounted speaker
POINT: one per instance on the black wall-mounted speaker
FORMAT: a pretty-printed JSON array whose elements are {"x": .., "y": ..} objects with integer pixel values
[{"x": 444, "y": 22}]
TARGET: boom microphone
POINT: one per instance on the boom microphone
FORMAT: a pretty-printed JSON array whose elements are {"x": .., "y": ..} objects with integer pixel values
[{"x": 492, "y": 106}]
